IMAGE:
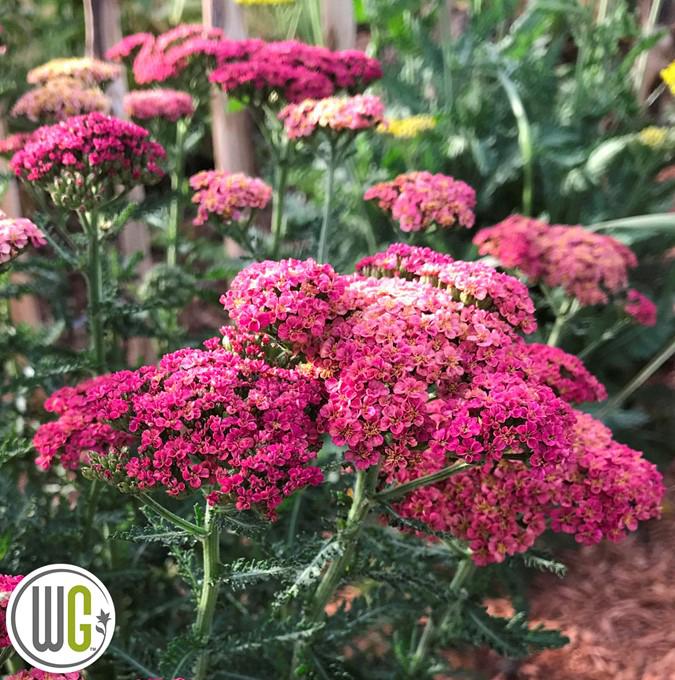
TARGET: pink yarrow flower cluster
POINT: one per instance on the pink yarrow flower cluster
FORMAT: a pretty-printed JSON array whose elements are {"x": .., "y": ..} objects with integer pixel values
[
  {"x": 419, "y": 200},
  {"x": 159, "y": 103},
  {"x": 84, "y": 160},
  {"x": 640, "y": 308},
  {"x": 227, "y": 196},
  {"x": 588, "y": 266},
  {"x": 468, "y": 282},
  {"x": 17, "y": 234},
  {"x": 239, "y": 429},
  {"x": 275, "y": 73},
  {"x": 333, "y": 115},
  {"x": 85, "y": 70},
  {"x": 37, "y": 674},
  {"x": 7, "y": 585},
  {"x": 600, "y": 491},
  {"x": 13, "y": 143}
]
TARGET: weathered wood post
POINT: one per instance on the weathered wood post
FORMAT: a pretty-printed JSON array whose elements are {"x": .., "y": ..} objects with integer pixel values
[{"x": 339, "y": 24}]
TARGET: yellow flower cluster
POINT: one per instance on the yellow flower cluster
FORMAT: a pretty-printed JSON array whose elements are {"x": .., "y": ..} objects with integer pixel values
[
  {"x": 668, "y": 76},
  {"x": 654, "y": 137},
  {"x": 85, "y": 69},
  {"x": 264, "y": 2},
  {"x": 59, "y": 99},
  {"x": 407, "y": 128}
]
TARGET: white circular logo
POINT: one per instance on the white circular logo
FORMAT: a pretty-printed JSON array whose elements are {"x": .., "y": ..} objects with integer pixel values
[{"x": 60, "y": 618}]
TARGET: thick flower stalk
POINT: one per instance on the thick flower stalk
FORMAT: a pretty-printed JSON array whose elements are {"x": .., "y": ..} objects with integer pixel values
[
  {"x": 159, "y": 103},
  {"x": 420, "y": 200},
  {"x": 7, "y": 585},
  {"x": 59, "y": 99},
  {"x": 589, "y": 267},
  {"x": 337, "y": 119},
  {"x": 16, "y": 235},
  {"x": 85, "y": 70},
  {"x": 85, "y": 161}
]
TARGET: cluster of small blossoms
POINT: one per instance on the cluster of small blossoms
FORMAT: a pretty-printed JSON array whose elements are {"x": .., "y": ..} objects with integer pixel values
[
  {"x": 418, "y": 200},
  {"x": 600, "y": 491},
  {"x": 587, "y": 265},
  {"x": 85, "y": 70},
  {"x": 276, "y": 73},
  {"x": 84, "y": 160},
  {"x": 159, "y": 103},
  {"x": 472, "y": 283},
  {"x": 653, "y": 136},
  {"x": 332, "y": 115},
  {"x": 59, "y": 99},
  {"x": 181, "y": 55},
  {"x": 411, "y": 373},
  {"x": 15, "y": 235},
  {"x": 13, "y": 143},
  {"x": 7, "y": 585},
  {"x": 407, "y": 128},
  {"x": 238, "y": 429},
  {"x": 227, "y": 196},
  {"x": 37, "y": 674},
  {"x": 668, "y": 76},
  {"x": 640, "y": 308}
]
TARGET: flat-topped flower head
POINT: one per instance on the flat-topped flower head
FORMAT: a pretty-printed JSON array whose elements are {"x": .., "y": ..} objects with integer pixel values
[
  {"x": 85, "y": 161},
  {"x": 276, "y": 73},
  {"x": 333, "y": 115},
  {"x": 59, "y": 99},
  {"x": 640, "y": 308},
  {"x": 158, "y": 103},
  {"x": 601, "y": 491},
  {"x": 37, "y": 674},
  {"x": 237, "y": 429},
  {"x": 86, "y": 70},
  {"x": 227, "y": 196},
  {"x": 668, "y": 76},
  {"x": 588, "y": 266},
  {"x": 7, "y": 585},
  {"x": 419, "y": 200},
  {"x": 407, "y": 128},
  {"x": 15, "y": 235},
  {"x": 472, "y": 283},
  {"x": 13, "y": 143}
]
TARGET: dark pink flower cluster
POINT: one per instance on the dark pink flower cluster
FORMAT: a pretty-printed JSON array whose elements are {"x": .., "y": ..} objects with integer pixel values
[
  {"x": 472, "y": 283},
  {"x": 13, "y": 143},
  {"x": 587, "y": 265},
  {"x": 7, "y": 585},
  {"x": 15, "y": 235},
  {"x": 280, "y": 72},
  {"x": 291, "y": 300},
  {"x": 159, "y": 103},
  {"x": 600, "y": 491},
  {"x": 237, "y": 428},
  {"x": 419, "y": 200},
  {"x": 37, "y": 674},
  {"x": 227, "y": 196},
  {"x": 640, "y": 308},
  {"x": 332, "y": 115},
  {"x": 84, "y": 160}
]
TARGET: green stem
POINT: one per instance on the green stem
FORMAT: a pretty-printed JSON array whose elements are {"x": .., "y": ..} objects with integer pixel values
[
  {"x": 566, "y": 312},
  {"x": 402, "y": 489},
  {"x": 648, "y": 27},
  {"x": 176, "y": 206},
  {"x": 208, "y": 598},
  {"x": 94, "y": 276},
  {"x": 172, "y": 517},
  {"x": 640, "y": 379},
  {"x": 605, "y": 337},
  {"x": 279, "y": 193},
  {"x": 322, "y": 251}
]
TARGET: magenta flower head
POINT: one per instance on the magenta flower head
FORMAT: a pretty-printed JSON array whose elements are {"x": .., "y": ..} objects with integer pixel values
[
  {"x": 7, "y": 585},
  {"x": 588, "y": 266},
  {"x": 237, "y": 429},
  {"x": 159, "y": 103},
  {"x": 227, "y": 196},
  {"x": 640, "y": 308},
  {"x": 13, "y": 143},
  {"x": 16, "y": 235},
  {"x": 37, "y": 674},
  {"x": 420, "y": 200},
  {"x": 333, "y": 115},
  {"x": 85, "y": 161}
]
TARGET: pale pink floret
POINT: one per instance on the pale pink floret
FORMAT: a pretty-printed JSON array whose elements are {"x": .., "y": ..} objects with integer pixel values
[
  {"x": 17, "y": 234},
  {"x": 419, "y": 200},
  {"x": 159, "y": 103}
]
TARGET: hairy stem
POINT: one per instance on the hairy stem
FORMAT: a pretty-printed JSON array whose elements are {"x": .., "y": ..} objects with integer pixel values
[
  {"x": 208, "y": 597},
  {"x": 94, "y": 277},
  {"x": 322, "y": 251},
  {"x": 279, "y": 194},
  {"x": 176, "y": 206},
  {"x": 402, "y": 489},
  {"x": 172, "y": 517}
]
